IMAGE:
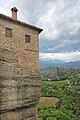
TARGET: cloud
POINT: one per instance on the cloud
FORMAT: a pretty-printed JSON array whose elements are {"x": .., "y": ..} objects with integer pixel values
[
  {"x": 60, "y": 20},
  {"x": 5, "y": 6},
  {"x": 62, "y": 28},
  {"x": 67, "y": 56}
]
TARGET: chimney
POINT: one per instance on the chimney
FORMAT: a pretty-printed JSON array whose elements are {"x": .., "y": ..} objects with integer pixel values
[{"x": 14, "y": 13}]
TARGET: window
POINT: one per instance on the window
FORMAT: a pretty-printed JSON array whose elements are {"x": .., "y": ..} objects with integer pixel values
[
  {"x": 8, "y": 32},
  {"x": 27, "y": 38}
]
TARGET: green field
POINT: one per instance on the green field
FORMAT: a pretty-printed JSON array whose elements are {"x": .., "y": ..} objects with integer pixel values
[
  {"x": 48, "y": 101},
  {"x": 67, "y": 93}
]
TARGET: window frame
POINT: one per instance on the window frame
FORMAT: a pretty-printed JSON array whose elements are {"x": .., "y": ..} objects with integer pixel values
[
  {"x": 8, "y": 32},
  {"x": 27, "y": 38}
]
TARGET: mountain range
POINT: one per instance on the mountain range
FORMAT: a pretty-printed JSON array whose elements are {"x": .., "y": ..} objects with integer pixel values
[{"x": 59, "y": 63}]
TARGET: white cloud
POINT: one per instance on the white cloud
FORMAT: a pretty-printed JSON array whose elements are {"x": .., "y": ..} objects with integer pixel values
[
  {"x": 5, "y": 7},
  {"x": 67, "y": 56},
  {"x": 61, "y": 18}
]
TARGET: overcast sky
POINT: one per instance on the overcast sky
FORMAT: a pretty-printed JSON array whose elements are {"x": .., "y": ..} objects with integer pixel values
[{"x": 60, "y": 20}]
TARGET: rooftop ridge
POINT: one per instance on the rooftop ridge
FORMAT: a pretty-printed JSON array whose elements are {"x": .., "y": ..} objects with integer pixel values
[{"x": 20, "y": 22}]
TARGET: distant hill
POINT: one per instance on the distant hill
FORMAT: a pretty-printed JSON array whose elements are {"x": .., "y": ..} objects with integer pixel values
[
  {"x": 75, "y": 64},
  {"x": 51, "y": 63},
  {"x": 59, "y": 63}
]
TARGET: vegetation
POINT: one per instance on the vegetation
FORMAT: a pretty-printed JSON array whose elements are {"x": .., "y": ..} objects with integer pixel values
[
  {"x": 48, "y": 101},
  {"x": 68, "y": 94}
]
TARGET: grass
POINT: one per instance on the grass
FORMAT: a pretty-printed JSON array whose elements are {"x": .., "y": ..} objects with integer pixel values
[
  {"x": 48, "y": 101},
  {"x": 55, "y": 82}
]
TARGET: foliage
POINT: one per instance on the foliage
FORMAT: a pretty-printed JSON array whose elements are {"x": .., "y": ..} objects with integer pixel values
[{"x": 68, "y": 93}]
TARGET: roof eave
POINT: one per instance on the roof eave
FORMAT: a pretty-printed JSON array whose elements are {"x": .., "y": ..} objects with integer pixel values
[{"x": 23, "y": 23}]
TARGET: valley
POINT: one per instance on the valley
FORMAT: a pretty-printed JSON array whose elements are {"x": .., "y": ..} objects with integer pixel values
[{"x": 60, "y": 96}]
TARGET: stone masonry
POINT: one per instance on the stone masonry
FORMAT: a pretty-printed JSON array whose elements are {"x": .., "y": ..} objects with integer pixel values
[{"x": 19, "y": 70}]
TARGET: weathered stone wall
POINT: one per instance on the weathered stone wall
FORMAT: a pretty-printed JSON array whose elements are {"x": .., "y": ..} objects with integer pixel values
[{"x": 19, "y": 73}]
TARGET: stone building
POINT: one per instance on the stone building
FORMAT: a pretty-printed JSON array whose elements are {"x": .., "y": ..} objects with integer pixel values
[{"x": 19, "y": 69}]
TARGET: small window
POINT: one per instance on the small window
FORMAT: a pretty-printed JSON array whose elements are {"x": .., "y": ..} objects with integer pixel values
[
  {"x": 27, "y": 38},
  {"x": 8, "y": 32}
]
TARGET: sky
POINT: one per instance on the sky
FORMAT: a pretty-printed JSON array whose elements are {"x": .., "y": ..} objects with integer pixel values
[{"x": 60, "y": 20}]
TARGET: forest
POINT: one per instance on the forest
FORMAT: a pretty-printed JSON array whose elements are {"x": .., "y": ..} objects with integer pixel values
[{"x": 60, "y": 99}]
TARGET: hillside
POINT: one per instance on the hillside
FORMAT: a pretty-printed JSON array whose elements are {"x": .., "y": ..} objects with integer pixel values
[
  {"x": 68, "y": 93},
  {"x": 59, "y": 63},
  {"x": 59, "y": 73}
]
